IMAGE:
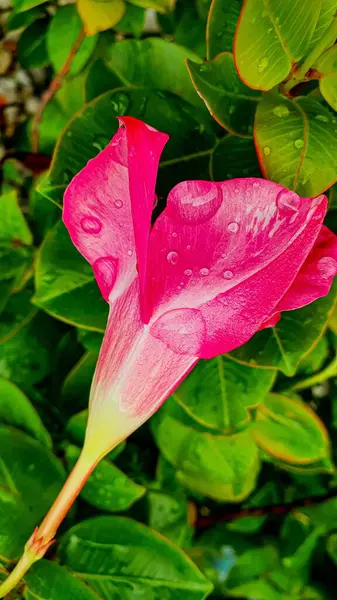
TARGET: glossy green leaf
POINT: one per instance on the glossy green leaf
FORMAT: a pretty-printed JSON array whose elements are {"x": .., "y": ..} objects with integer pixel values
[
  {"x": 32, "y": 49},
  {"x": 153, "y": 63},
  {"x": 291, "y": 340},
  {"x": 19, "y": 19},
  {"x": 221, "y": 467},
  {"x": 296, "y": 141},
  {"x": 327, "y": 67},
  {"x": 48, "y": 581},
  {"x": 65, "y": 285},
  {"x": 16, "y": 410},
  {"x": 265, "y": 496},
  {"x": 270, "y": 37},
  {"x": 169, "y": 515},
  {"x": 221, "y": 24},
  {"x": 289, "y": 430},
  {"x": 17, "y": 313},
  {"x": 23, "y": 5},
  {"x": 66, "y": 25},
  {"x": 30, "y": 478},
  {"x": 76, "y": 386},
  {"x": 326, "y": 15},
  {"x": 108, "y": 488},
  {"x": 192, "y": 137},
  {"x": 229, "y": 101},
  {"x": 161, "y": 6},
  {"x": 13, "y": 226},
  {"x": 99, "y": 15},
  {"x": 218, "y": 392},
  {"x": 133, "y": 21},
  {"x": 234, "y": 157},
  {"x": 120, "y": 557}
]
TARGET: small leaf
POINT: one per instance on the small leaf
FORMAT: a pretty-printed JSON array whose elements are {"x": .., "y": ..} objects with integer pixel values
[
  {"x": 292, "y": 339},
  {"x": 32, "y": 49},
  {"x": 229, "y": 101},
  {"x": 66, "y": 26},
  {"x": 30, "y": 478},
  {"x": 289, "y": 430},
  {"x": 48, "y": 581},
  {"x": 65, "y": 285},
  {"x": 218, "y": 392},
  {"x": 16, "y": 410},
  {"x": 296, "y": 141},
  {"x": 327, "y": 67},
  {"x": 269, "y": 39},
  {"x": 221, "y": 24},
  {"x": 120, "y": 557},
  {"x": 234, "y": 157},
  {"x": 108, "y": 488},
  {"x": 99, "y": 15},
  {"x": 221, "y": 467}
]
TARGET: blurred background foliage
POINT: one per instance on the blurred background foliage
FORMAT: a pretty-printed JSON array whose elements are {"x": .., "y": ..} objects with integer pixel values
[{"x": 230, "y": 491}]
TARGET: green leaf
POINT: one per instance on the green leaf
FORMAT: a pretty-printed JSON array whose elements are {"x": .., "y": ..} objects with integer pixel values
[
  {"x": 23, "y": 5},
  {"x": 43, "y": 213},
  {"x": 13, "y": 226},
  {"x": 221, "y": 24},
  {"x": 270, "y": 38},
  {"x": 99, "y": 15},
  {"x": 76, "y": 386},
  {"x": 289, "y": 430},
  {"x": 30, "y": 478},
  {"x": 118, "y": 557},
  {"x": 76, "y": 428},
  {"x": 32, "y": 49},
  {"x": 229, "y": 101},
  {"x": 234, "y": 157},
  {"x": 191, "y": 131},
  {"x": 218, "y": 392},
  {"x": 133, "y": 21},
  {"x": 326, "y": 16},
  {"x": 16, "y": 410},
  {"x": 18, "y": 312},
  {"x": 48, "y": 581},
  {"x": 224, "y": 468},
  {"x": 65, "y": 285},
  {"x": 153, "y": 63},
  {"x": 265, "y": 496},
  {"x": 108, "y": 488},
  {"x": 169, "y": 515},
  {"x": 19, "y": 19},
  {"x": 66, "y": 25},
  {"x": 296, "y": 141},
  {"x": 162, "y": 6},
  {"x": 327, "y": 67},
  {"x": 291, "y": 340}
]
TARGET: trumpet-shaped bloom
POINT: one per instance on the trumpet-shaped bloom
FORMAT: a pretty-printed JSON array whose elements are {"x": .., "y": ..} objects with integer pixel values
[{"x": 221, "y": 262}]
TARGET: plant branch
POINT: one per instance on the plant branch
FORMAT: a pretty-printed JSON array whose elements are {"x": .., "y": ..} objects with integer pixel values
[
  {"x": 54, "y": 86},
  {"x": 263, "y": 511},
  {"x": 327, "y": 40}
]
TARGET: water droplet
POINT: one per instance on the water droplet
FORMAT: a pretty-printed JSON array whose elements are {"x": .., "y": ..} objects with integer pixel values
[
  {"x": 182, "y": 330},
  {"x": 105, "y": 270},
  {"x": 118, "y": 203},
  {"x": 322, "y": 118},
  {"x": 231, "y": 109},
  {"x": 91, "y": 225},
  {"x": 266, "y": 150},
  {"x": 287, "y": 201},
  {"x": 281, "y": 111},
  {"x": 188, "y": 247},
  {"x": 204, "y": 271},
  {"x": 188, "y": 272},
  {"x": 194, "y": 202},
  {"x": 262, "y": 64},
  {"x": 233, "y": 227},
  {"x": 130, "y": 252},
  {"x": 327, "y": 267},
  {"x": 299, "y": 144},
  {"x": 174, "y": 234},
  {"x": 228, "y": 274},
  {"x": 172, "y": 258}
]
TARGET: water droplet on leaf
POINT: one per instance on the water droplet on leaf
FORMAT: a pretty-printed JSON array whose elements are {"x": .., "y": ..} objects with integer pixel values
[
  {"x": 322, "y": 118},
  {"x": 266, "y": 150},
  {"x": 281, "y": 111},
  {"x": 299, "y": 144},
  {"x": 262, "y": 64}
]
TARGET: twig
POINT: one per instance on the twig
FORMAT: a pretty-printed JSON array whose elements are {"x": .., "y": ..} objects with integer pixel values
[
  {"x": 263, "y": 511},
  {"x": 55, "y": 85}
]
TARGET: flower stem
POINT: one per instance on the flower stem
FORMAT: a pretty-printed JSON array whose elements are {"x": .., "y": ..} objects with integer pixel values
[
  {"x": 325, "y": 42},
  {"x": 42, "y": 537}
]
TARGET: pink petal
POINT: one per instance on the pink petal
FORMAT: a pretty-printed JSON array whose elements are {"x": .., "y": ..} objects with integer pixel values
[
  {"x": 108, "y": 205},
  {"x": 227, "y": 252}
]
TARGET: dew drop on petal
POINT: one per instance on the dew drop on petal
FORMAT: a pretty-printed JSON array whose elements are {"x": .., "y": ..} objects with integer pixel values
[
  {"x": 233, "y": 227},
  {"x": 228, "y": 274},
  {"x": 188, "y": 272},
  {"x": 287, "y": 201},
  {"x": 118, "y": 203},
  {"x": 182, "y": 330},
  {"x": 194, "y": 202},
  {"x": 299, "y": 144},
  {"x": 204, "y": 271},
  {"x": 172, "y": 258},
  {"x": 129, "y": 252},
  {"x": 262, "y": 64},
  {"x": 91, "y": 225},
  {"x": 327, "y": 267},
  {"x": 266, "y": 150},
  {"x": 174, "y": 234},
  {"x": 105, "y": 270},
  {"x": 281, "y": 111}
]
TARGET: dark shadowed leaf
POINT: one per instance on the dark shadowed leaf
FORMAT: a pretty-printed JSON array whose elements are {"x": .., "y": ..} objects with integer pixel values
[{"x": 221, "y": 25}]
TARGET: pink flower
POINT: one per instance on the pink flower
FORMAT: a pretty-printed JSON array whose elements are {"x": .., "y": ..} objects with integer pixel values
[{"x": 221, "y": 262}]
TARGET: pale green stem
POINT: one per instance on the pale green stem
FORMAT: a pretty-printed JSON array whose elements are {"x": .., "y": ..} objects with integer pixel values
[
  {"x": 40, "y": 541},
  {"x": 325, "y": 42}
]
